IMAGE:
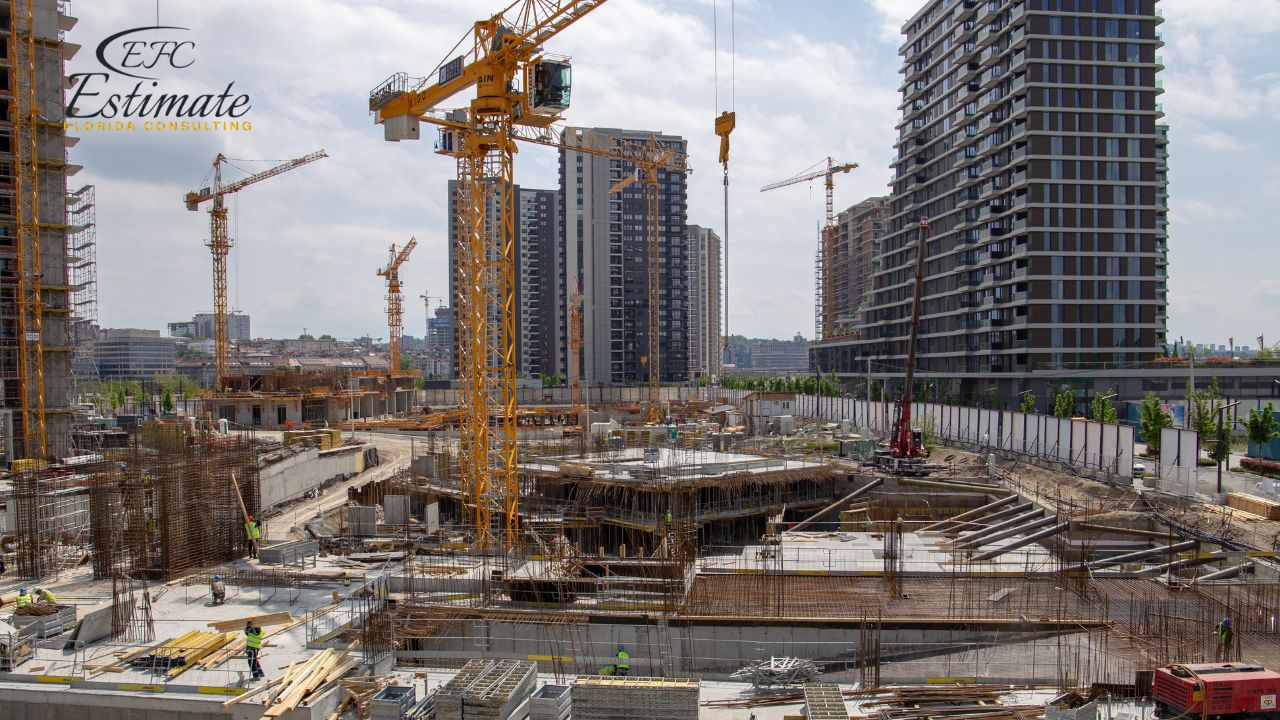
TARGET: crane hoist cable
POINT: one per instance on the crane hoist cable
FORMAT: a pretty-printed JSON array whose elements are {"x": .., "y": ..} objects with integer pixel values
[{"x": 724, "y": 125}]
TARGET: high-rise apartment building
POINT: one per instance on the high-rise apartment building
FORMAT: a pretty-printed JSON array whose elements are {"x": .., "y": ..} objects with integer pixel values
[
  {"x": 201, "y": 327},
  {"x": 706, "y": 346},
  {"x": 535, "y": 240},
  {"x": 36, "y": 347},
  {"x": 536, "y": 228},
  {"x": 605, "y": 246},
  {"x": 857, "y": 238},
  {"x": 1029, "y": 138}
]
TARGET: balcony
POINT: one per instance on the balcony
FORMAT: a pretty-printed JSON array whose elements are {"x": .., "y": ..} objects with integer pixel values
[{"x": 1021, "y": 272}]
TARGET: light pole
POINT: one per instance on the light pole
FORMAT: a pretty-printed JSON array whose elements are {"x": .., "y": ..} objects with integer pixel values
[{"x": 1218, "y": 450}]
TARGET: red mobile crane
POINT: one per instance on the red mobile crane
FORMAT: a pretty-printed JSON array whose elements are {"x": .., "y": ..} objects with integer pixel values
[{"x": 906, "y": 452}]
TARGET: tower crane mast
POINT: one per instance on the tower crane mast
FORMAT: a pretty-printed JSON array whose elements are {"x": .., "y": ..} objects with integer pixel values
[
  {"x": 220, "y": 244},
  {"x": 395, "y": 300},
  {"x": 823, "y": 319},
  {"x": 516, "y": 85}
]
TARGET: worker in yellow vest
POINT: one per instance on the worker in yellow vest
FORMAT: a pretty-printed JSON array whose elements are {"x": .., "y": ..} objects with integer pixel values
[
  {"x": 43, "y": 595},
  {"x": 253, "y": 646},
  {"x": 23, "y": 598},
  {"x": 253, "y": 533},
  {"x": 623, "y": 664}
]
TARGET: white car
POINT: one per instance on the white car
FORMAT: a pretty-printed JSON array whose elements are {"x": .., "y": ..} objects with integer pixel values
[{"x": 1139, "y": 468}]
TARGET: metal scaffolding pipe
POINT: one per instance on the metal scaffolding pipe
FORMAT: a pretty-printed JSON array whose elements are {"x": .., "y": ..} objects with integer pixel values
[
  {"x": 1022, "y": 542},
  {"x": 1028, "y": 527},
  {"x": 956, "y": 486},
  {"x": 1187, "y": 562},
  {"x": 1093, "y": 527},
  {"x": 1011, "y": 522},
  {"x": 1135, "y": 555},
  {"x": 1225, "y": 573},
  {"x": 1003, "y": 515},
  {"x": 968, "y": 514},
  {"x": 804, "y": 523}
]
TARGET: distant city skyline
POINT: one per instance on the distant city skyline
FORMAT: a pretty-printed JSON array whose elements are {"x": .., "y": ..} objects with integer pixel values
[{"x": 819, "y": 79}]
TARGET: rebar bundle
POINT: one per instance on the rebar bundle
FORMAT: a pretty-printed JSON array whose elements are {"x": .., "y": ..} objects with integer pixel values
[{"x": 167, "y": 504}]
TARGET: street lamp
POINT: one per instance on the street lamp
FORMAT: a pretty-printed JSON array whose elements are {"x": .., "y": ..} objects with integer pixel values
[{"x": 1221, "y": 439}]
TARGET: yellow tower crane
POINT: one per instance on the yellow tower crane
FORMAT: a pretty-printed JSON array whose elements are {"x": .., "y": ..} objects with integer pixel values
[
  {"x": 395, "y": 299},
  {"x": 220, "y": 244},
  {"x": 575, "y": 344},
  {"x": 823, "y": 317},
  {"x": 29, "y": 267},
  {"x": 517, "y": 85}
]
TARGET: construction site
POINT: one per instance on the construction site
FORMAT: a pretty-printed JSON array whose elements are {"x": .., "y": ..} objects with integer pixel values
[{"x": 345, "y": 545}]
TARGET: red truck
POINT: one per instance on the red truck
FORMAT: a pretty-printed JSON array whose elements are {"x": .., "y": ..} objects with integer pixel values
[{"x": 1232, "y": 690}]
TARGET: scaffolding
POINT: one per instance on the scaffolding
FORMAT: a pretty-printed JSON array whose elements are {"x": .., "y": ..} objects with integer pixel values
[
  {"x": 82, "y": 276},
  {"x": 53, "y": 520}
]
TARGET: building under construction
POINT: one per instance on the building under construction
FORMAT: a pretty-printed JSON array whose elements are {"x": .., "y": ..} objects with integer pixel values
[{"x": 35, "y": 307}]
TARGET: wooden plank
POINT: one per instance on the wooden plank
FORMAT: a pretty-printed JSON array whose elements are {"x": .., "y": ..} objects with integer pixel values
[{"x": 276, "y": 618}]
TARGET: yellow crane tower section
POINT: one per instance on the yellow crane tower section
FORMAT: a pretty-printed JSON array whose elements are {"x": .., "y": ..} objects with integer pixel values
[
  {"x": 220, "y": 244},
  {"x": 517, "y": 84},
  {"x": 395, "y": 299},
  {"x": 824, "y": 321}
]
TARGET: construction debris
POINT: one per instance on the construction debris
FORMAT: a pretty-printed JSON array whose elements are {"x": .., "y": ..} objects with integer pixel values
[{"x": 778, "y": 671}]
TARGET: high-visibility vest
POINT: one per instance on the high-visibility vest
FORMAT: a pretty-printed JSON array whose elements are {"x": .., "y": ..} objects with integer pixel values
[
  {"x": 48, "y": 597},
  {"x": 23, "y": 600},
  {"x": 622, "y": 663},
  {"x": 251, "y": 530},
  {"x": 253, "y": 639}
]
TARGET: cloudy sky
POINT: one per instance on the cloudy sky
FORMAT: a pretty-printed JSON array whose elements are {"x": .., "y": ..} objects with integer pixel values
[{"x": 813, "y": 78}]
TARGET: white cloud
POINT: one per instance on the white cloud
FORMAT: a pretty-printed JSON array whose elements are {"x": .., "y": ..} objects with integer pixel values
[
  {"x": 1215, "y": 140},
  {"x": 308, "y": 242}
]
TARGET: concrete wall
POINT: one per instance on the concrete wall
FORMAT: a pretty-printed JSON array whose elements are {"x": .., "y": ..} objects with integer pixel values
[
  {"x": 292, "y": 477},
  {"x": 713, "y": 650}
]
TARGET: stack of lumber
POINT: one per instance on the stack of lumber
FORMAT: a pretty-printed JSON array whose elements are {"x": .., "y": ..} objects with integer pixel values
[
  {"x": 182, "y": 652},
  {"x": 488, "y": 690},
  {"x": 301, "y": 683},
  {"x": 597, "y": 697},
  {"x": 779, "y": 671},
  {"x": 1259, "y": 506}
]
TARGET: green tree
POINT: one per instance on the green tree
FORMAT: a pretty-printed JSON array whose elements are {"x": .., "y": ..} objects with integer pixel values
[
  {"x": 1261, "y": 426},
  {"x": 1028, "y": 403},
  {"x": 1064, "y": 404},
  {"x": 166, "y": 400},
  {"x": 1152, "y": 419},
  {"x": 1202, "y": 410},
  {"x": 1103, "y": 410},
  {"x": 552, "y": 381},
  {"x": 928, "y": 427},
  {"x": 407, "y": 362}
]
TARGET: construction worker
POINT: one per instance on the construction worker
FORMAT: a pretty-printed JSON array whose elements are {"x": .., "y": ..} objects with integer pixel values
[
  {"x": 1226, "y": 639},
  {"x": 253, "y": 646},
  {"x": 218, "y": 590},
  {"x": 623, "y": 665},
  {"x": 23, "y": 599},
  {"x": 253, "y": 532},
  {"x": 606, "y": 671},
  {"x": 43, "y": 595}
]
